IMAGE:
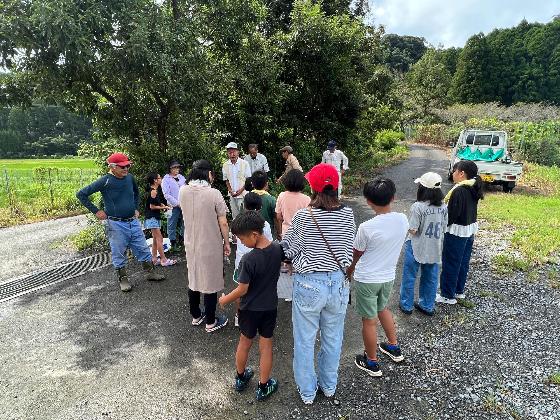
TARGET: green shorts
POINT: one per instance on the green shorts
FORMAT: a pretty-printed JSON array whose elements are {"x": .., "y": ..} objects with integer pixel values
[{"x": 372, "y": 298}]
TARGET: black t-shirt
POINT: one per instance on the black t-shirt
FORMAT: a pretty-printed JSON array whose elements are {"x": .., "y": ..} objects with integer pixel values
[
  {"x": 156, "y": 201},
  {"x": 260, "y": 268}
]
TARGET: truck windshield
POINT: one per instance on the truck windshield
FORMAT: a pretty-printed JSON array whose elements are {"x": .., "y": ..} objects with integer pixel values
[{"x": 483, "y": 139}]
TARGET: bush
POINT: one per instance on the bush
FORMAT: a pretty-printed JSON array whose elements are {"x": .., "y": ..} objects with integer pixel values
[
  {"x": 92, "y": 238},
  {"x": 388, "y": 139}
]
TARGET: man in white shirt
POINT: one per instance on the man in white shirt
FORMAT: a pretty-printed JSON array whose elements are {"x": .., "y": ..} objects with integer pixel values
[
  {"x": 256, "y": 160},
  {"x": 336, "y": 158},
  {"x": 235, "y": 172}
]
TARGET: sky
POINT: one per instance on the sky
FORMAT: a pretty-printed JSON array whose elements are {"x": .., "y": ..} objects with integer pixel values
[{"x": 451, "y": 23}]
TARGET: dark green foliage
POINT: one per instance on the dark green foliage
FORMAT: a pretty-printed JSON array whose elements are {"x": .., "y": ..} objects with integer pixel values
[
  {"x": 41, "y": 131},
  {"x": 520, "y": 64},
  {"x": 401, "y": 52}
]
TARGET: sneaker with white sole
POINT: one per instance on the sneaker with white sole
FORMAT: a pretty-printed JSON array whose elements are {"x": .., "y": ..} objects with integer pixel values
[
  {"x": 200, "y": 320},
  {"x": 459, "y": 296},
  {"x": 393, "y": 351},
  {"x": 370, "y": 366},
  {"x": 221, "y": 322},
  {"x": 442, "y": 299}
]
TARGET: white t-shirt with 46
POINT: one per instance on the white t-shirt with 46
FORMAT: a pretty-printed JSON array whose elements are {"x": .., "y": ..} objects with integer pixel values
[{"x": 381, "y": 239}]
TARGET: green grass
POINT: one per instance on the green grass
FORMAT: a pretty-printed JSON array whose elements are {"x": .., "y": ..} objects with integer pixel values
[
  {"x": 554, "y": 378},
  {"x": 38, "y": 189},
  {"x": 29, "y": 164},
  {"x": 535, "y": 219}
]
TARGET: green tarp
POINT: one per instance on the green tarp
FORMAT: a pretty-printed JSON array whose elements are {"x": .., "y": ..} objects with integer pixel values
[{"x": 489, "y": 155}]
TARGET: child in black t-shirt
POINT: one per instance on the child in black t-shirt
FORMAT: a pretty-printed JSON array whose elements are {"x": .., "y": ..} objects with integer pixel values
[{"x": 259, "y": 270}]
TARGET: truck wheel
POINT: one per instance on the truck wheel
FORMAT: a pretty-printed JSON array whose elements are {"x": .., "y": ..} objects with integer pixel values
[{"x": 508, "y": 186}]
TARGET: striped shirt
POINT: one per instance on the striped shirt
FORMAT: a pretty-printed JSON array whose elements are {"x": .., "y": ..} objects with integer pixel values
[{"x": 306, "y": 248}]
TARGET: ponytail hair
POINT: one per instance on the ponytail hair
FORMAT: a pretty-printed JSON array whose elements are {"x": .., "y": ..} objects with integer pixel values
[{"x": 471, "y": 171}]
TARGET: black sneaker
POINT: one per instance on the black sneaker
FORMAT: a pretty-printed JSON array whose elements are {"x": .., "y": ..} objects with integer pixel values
[
  {"x": 241, "y": 383},
  {"x": 425, "y": 312},
  {"x": 371, "y": 367},
  {"x": 221, "y": 322},
  {"x": 271, "y": 388},
  {"x": 393, "y": 351}
]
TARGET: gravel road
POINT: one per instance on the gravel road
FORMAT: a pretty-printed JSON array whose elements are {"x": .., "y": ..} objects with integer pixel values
[
  {"x": 35, "y": 246},
  {"x": 81, "y": 349}
]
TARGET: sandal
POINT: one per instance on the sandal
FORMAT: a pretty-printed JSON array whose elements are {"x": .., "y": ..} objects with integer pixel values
[
  {"x": 168, "y": 263},
  {"x": 156, "y": 261}
]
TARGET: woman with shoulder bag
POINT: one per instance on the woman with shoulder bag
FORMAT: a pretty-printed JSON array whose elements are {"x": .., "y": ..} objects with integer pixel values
[{"x": 319, "y": 243}]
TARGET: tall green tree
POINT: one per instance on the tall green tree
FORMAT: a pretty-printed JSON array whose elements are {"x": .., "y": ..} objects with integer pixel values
[
  {"x": 473, "y": 80},
  {"x": 427, "y": 86}
]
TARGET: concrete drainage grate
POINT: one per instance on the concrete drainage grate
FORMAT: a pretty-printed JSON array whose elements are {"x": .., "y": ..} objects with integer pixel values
[{"x": 35, "y": 281}]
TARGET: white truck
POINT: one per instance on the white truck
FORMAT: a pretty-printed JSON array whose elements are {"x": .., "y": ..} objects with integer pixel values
[{"x": 489, "y": 150}]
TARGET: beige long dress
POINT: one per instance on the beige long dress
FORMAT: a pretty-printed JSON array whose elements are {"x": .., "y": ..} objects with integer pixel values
[{"x": 201, "y": 206}]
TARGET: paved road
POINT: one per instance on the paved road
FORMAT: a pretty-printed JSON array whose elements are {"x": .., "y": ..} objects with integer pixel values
[
  {"x": 82, "y": 349},
  {"x": 35, "y": 246}
]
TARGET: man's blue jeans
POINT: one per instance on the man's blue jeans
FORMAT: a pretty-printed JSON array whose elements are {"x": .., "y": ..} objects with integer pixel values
[
  {"x": 175, "y": 222},
  {"x": 319, "y": 304},
  {"x": 123, "y": 235},
  {"x": 455, "y": 260},
  {"x": 428, "y": 281}
]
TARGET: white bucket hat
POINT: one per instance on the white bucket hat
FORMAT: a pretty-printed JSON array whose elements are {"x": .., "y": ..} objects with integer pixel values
[{"x": 232, "y": 145}]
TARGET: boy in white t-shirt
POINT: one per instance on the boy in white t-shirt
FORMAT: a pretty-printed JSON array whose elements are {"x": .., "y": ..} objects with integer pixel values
[{"x": 377, "y": 248}]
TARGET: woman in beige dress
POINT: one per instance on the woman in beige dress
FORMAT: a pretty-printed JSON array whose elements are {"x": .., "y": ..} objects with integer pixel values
[{"x": 206, "y": 242}]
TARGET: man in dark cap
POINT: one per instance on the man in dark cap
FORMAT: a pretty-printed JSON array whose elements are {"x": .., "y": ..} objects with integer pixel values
[
  {"x": 120, "y": 216},
  {"x": 170, "y": 186}
]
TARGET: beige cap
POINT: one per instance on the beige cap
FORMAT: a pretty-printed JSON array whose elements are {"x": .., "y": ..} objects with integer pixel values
[
  {"x": 429, "y": 180},
  {"x": 287, "y": 149}
]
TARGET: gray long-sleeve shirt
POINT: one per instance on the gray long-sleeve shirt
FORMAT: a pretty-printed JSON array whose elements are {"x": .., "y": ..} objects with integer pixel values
[{"x": 120, "y": 195}]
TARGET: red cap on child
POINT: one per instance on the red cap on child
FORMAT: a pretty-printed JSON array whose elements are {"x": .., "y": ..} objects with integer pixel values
[{"x": 322, "y": 175}]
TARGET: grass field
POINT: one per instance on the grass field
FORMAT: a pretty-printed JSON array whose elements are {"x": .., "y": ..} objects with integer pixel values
[
  {"x": 534, "y": 214},
  {"x": 39, "y": 189},
  {"x": 30, "y": 164}
]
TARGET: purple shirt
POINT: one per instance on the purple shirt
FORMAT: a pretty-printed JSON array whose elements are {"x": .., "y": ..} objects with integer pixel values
[{"x": 170, "y": 187}]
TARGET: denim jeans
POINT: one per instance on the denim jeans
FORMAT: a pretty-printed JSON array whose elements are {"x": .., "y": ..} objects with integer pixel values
[
  {"x": 319, "y": 304},
  {"x": 428, "y": 281},
  {"x": 455, "y": 258},
  {"x": 175, "y": 222},
  {"x": 123, "y": 235}
]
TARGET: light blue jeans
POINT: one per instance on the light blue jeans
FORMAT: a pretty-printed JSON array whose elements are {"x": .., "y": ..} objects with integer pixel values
[
  {"x": 175, "y": 223},
  {"x": 123, "y": 235},
  {"x": 428, "y": 281},
  {"x": 319, "y": 304}
]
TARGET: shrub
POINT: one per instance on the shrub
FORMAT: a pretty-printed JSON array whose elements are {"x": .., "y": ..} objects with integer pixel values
[
  {"x": 388, "y": 139},
  {"x": 92, "y": 238}
]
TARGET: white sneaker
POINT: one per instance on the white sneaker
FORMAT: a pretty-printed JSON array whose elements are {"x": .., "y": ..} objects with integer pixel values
[
  {"x": 459, "y": 296},
  {"x": 236, "y": 320},
  {"x": 442, "y": 299}
]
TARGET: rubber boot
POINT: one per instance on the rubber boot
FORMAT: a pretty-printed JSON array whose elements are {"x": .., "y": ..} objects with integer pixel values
[
  {"x": 123, "y": 280},
  {"x": 150, "y": 271}
]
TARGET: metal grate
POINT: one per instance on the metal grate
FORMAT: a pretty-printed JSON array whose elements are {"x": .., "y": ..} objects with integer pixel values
[{"x": 35, "y": 281}]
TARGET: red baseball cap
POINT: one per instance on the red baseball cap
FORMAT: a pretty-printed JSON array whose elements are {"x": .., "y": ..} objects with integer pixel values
[
  {"x": 322, "y": 175},
  {"x": 118, "y": 159}
]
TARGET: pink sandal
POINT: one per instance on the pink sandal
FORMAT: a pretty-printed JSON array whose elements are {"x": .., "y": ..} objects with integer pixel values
[{"x": 168, "y": 263}]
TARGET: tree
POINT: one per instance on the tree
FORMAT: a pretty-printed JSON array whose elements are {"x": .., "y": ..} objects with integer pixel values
[
  {"x": 401, "y": 52},
  {"x": 427, "y": 85},
  {"x": 473, "y": 80}
]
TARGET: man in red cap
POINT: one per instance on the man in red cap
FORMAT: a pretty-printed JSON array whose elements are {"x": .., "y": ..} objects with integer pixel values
[{"x": 120, "y": 216}]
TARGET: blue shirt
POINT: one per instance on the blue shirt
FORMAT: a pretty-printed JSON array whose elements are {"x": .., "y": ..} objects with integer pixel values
[{"x": 120, "y": 195}]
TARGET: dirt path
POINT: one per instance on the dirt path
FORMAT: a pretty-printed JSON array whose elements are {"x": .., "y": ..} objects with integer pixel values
[
  {"x": 35, "y": 246},
  {"x": 81, "y": 349}
]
